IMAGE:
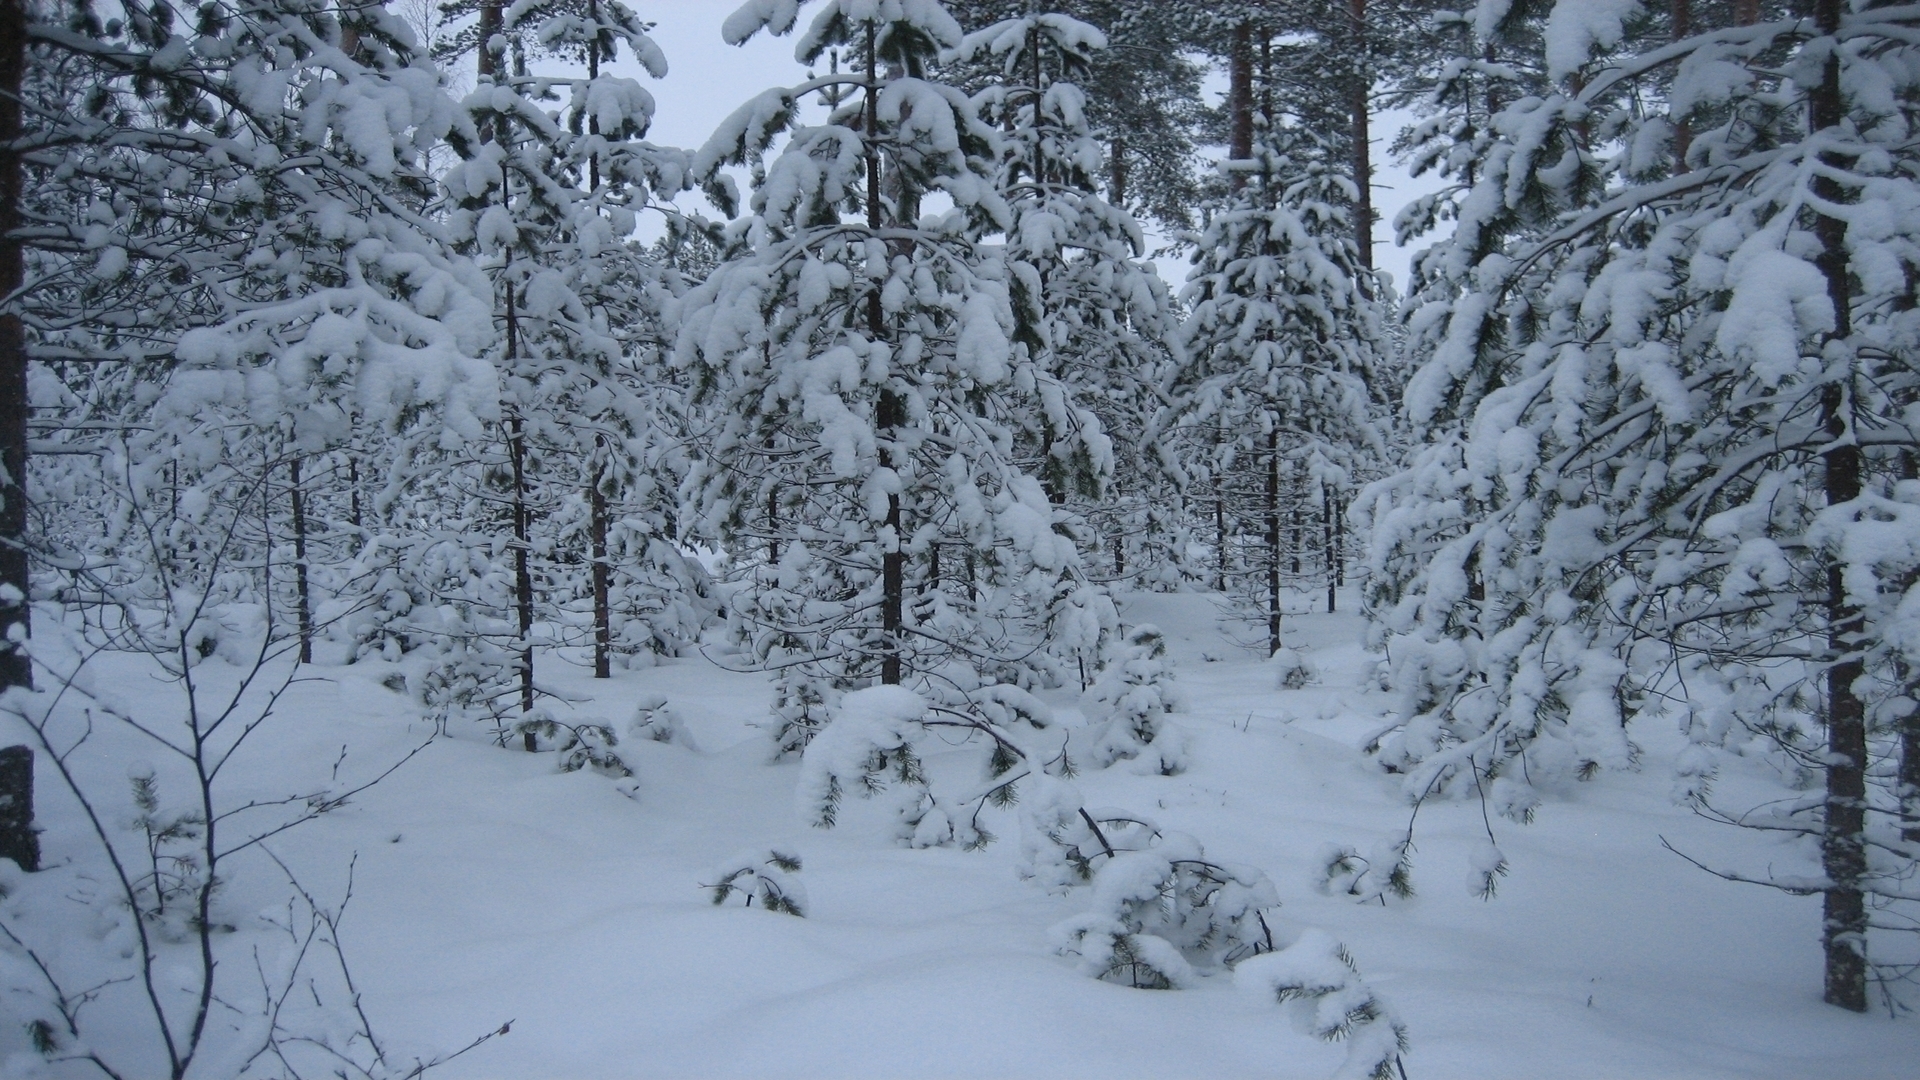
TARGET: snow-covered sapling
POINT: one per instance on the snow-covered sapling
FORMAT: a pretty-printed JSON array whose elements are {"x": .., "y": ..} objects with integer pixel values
[
  {"x": 654, "y": 719},
  {"x": 1316, "y": 979},
  {"x": 1129, "y": 704},
  {"x": 764, "y": 875},
  {"x": 586, "y": 744},
  {"x": 1387, "y": 871},
  {"x": 1291, "y": 671}
]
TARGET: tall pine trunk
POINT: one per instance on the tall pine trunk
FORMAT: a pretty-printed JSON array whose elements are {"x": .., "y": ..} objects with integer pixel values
[
  {"x": 1326, "y": 526},
  {"x": 1843, "y": 840},
  {"x": 303, "y": 600},
  {"x": 1240, "y": 99},
  {"x": 891, "y": 412},
  {"x": 602, "y": 608},
  {"x": 1273, "y": 540},
  {"x": 1359, "y": 95},
  {"x": 15, "y": 668}
]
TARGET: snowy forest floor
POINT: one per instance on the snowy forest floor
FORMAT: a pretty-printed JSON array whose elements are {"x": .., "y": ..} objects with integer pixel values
[{"x": 490, "y": 887}]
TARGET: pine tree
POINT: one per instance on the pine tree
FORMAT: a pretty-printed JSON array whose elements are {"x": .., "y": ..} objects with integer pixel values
[
  {"x": 1671, "y": 416},
  {"x": 1278, "y": 353},
  {"x": 868, "y": 383}
]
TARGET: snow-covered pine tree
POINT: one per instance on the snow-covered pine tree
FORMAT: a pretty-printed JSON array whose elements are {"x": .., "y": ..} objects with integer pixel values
[
  {"x": 1674, "y": 481},
  {"x": 230, "y": 272},
  {"x": 1099, "y": 315},
  {"x": 231, "y": 278},
  {"x": 549, "y": 200},
  {"x": 1277, "y": 354},
  {"x": 866, "y": 381}
]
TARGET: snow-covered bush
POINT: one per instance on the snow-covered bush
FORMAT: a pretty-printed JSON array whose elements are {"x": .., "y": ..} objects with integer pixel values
[
  {"x": 766, "y": 876},
  {"x": 1129, "y": 703},
  {"x": 1291, "y": 670},
  {"x": 1317, "y": 981},
  {"x": 581, "y": 743},
  {"x": 886, "y": 438},
  {"x": 654, "y": 719}
]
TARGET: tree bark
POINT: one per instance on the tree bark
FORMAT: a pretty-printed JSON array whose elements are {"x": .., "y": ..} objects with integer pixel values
[
  {"x": 1682, "y": 131},
  {"x": 890, "y": 412},
  {"x": 1358, "y": 103},
  {"x": 1273, "y": 541},
  {"x": 303, "y": 601},
  {"x": 1240, "y": 99},
  {"x": 18, "y": 840},
  {"x": 15, "y": 618},
  {"x": 602, "y": 608},
  {"x": 490, "y": 24},
  {"x": 1326, "y": 525},
  {"x": 1843, "y": 839},
  {"x": 522, "y": 525}
]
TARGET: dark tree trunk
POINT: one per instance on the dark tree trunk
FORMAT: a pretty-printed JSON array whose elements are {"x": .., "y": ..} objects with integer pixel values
[
  {"x": 1220, "y": 532},
  {"x": 15, "y": 668},
  {"x": 890, "y": 412},
  {"x": 1339, "y": 542},
  {"x": 1326, "y": 526},
  {"x": 490, "y": 24},
  {"x": 1273, "y": 541},
  {"x": 18, "y": 840},
  {"x": 353, "y": 489},
  {"x": 1117, "y": 172},
  {"x": 303, "y": 601},
  {"x": 522, "y": 526},
  {"x": 1359, "y": 96},
  {"x": 522, "y": 560},
  {"x": 1682, "y": 11},
  {"x": 1843, "y": 841},
  {"x": 602, "y": 608},
  {"x": 1240, "y": 99}
]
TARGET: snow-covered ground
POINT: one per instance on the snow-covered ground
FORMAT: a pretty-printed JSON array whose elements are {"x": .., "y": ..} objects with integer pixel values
[{"x": 489, "y": 887}]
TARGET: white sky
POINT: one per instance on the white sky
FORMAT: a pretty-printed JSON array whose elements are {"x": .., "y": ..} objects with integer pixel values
[{"x": 708, "y": 79}]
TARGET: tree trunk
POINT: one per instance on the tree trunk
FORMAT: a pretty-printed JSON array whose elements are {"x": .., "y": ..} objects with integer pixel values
[
  {"x": 522, "y": 561},
  {"x": 1220, "y": 532},
  {"x": 353, "y": 489},
  {"x": 18, "y": 840},
  {"x": 602, "y": 609},
  {"x": 15, "y": 620},
  {"x": 890, "y": 412},
  {"x": 1117, "y": 172},
  {"x": 490, "y": 24},
  {"x": 1682, "y": 11},
  {"x": 1326, "y": 525},
  {"x": 1359, "y": 131},
  {"x": 1273, "y": 541},
  {"x": 1240, "y": 99},
  {"x": 1843, "y": 839},
  {"x": 303, "y": 602},
  {"x": 522, "y": 519},
  {"x": 1746, "y": 12}
]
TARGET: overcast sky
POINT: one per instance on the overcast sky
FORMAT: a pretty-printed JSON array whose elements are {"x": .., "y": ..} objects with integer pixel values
[{"x": 708, "y": 79}]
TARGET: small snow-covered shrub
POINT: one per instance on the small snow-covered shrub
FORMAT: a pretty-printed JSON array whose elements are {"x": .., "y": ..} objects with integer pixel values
[
  {"x": 1316, "y": 979},
  {"x": 871, "y": 746},
  {"x": 802, "y": 704},
  {"x": 1158, "y": 907},
  {"x": 1388, "y": 870},
  {"x": 763, "y": 875},
  {"x": 1291, "y": 671},
  {"x": 654, "y": 719},
  {"x": 1129, "y": 704},
  {"x": 582, "y": 745}
]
